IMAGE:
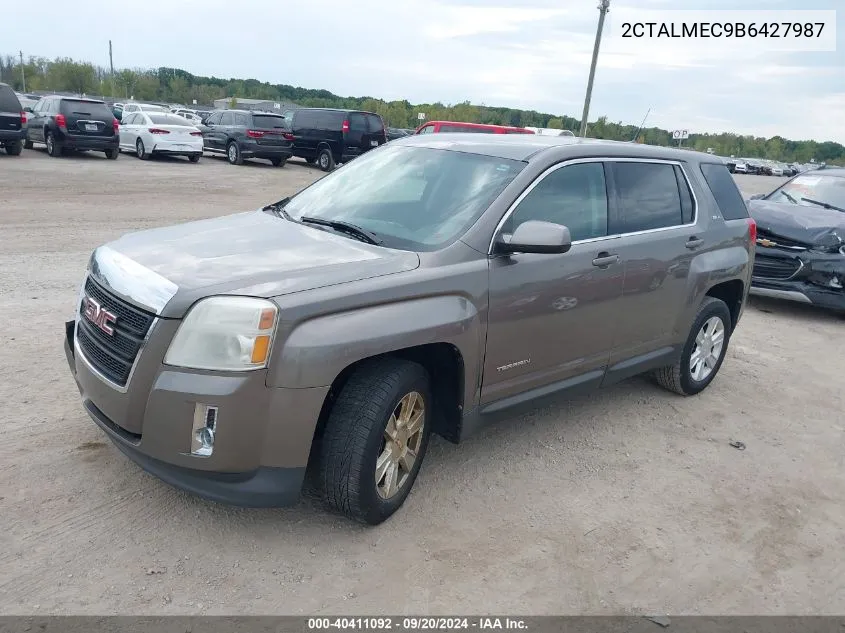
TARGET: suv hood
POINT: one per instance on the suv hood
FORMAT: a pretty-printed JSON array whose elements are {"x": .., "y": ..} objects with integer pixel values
[
  {"x": 255, "y": 253},
  {"x": 813, "y": 226}
]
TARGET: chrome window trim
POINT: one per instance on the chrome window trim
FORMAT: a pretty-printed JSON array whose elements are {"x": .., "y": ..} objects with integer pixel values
[{"x": 604, "y": 159}]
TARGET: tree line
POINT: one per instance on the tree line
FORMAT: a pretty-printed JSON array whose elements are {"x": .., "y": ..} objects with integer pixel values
[{"x": 174, "y": 85}]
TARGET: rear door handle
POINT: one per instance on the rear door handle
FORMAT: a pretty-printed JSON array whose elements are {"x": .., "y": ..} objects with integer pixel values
[
  {"x": 603, "y": 260},
  {"x": 694, "y": 242}
]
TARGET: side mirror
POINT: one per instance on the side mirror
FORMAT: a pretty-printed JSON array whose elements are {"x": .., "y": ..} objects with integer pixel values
[
  {"x": 535, "y": 236},
  {"x": 758, "y": 196},
  {"x": 28, "y": 109}
]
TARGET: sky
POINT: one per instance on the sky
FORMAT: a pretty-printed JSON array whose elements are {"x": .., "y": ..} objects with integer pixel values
[{"x": 532, "y": 54}]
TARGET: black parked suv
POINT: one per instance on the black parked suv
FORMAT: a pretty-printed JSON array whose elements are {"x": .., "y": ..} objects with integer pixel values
[
  {"x": 242, "y": 134},
  {"x": 73, "y": 123},
  {"x": 12, "y": 121},
  {"x": 329, "y": 136}
]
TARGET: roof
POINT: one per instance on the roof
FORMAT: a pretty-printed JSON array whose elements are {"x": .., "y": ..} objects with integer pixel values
[
  {"x": 526, "y": 146},
  {"x": 830, "y": 171},
  {"x": 73, "y": 98},
  {"x": 261, "y": 112}
]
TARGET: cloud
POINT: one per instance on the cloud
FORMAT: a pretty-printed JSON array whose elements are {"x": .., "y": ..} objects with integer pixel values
[{"x": 531, "y": 54}]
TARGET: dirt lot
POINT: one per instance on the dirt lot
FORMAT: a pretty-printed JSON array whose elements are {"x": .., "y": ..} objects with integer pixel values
[{"x": 628, "y": 501}]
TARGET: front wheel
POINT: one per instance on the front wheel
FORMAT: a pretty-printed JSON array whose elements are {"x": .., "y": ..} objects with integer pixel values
[
  {"x": 375, "y": 439},
  {"x": 325, "y": 159},
  {"x": 703, "y": 352}
]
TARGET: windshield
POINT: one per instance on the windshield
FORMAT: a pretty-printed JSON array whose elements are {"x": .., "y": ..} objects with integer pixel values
[
  {"x": 810, "y": 189},
  {"x": 412, "y": 198}
]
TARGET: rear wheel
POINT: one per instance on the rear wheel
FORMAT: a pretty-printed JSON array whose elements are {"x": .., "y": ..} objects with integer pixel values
[
  {"x": 375, "y": 439},
  {"x": 278, "y": 162},
  {"x": 14, "y": 148},
  {"x": 54, "y": 148},
  {"x": 703, "y": 352},
  {"x": 140, "y": 150},
  {"x": 233, "y": 154},
  {"x": 194, "y": 158},
  {"x": 325, "y": 159},
  {"x": 112, "y": 154}
]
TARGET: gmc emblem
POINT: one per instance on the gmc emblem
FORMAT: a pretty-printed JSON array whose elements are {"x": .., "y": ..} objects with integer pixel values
[{"x": 99, "y": 316}]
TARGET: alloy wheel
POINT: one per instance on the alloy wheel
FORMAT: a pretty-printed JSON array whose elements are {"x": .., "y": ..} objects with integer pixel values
[
  {"x": 708, "y": 349},
  {"x": 400, "y": 446}
]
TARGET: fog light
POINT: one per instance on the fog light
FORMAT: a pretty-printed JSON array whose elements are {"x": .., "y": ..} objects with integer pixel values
[
  {"x": 202, "y": 432},
  {"x": 835, "y": 283}
]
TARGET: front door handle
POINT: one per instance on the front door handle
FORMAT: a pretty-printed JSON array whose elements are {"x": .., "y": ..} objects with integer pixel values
[
  {"x": 603, "y": 260},
  {"x": 694, "y": 242}
]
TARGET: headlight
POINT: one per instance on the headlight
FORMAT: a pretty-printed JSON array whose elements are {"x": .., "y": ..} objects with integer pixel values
[{"x": 225, "y": 334}]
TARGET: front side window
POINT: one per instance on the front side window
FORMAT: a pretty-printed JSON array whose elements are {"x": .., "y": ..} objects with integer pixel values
[
  {"x": 428, "y": 129},
  {"x": 574, "y": 196},
  {"x": 648, "y": 196},
  {"x": 227, "y": 119},
  {"x": 412, "y": 198}
]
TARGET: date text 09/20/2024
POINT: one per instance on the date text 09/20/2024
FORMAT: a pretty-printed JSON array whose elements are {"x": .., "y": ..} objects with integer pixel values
[{"x": 416, "y": 623}]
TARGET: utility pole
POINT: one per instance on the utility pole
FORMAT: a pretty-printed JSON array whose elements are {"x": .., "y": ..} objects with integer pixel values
[
  {"x": 604, "y": 7},
  {"x": 23, "y": 73},
  {"x": 111, "y": 66}
]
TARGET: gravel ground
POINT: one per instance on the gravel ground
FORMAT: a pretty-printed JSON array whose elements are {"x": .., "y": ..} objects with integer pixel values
[{"x": 627, "y": 501}]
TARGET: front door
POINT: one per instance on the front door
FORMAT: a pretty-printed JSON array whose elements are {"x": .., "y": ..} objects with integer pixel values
[{"x": 552, "y": 317}]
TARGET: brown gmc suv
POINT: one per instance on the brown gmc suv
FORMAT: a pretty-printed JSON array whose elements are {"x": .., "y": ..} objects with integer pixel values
[{"x": 430, "y": 286}]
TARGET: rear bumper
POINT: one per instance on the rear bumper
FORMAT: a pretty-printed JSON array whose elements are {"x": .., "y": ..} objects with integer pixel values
[
  {"x": 179, "y": 149},
  {"x": 262, "y": 440},
  {"x": 254, "y": 150},
  {"x": 73, "y": 141},
  {"x": 10, "y": 136}
]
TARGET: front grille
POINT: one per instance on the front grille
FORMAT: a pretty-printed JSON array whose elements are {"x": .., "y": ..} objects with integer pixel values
[
  {"x": 780, "y": 241},
  {"x": 768, "y": 267},
  {"x": 112, "y": 355}
]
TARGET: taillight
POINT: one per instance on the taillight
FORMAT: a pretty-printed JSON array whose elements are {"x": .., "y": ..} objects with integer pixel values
[
  {"x": 196, "y": 133},
  {"x": 23, "y": 118},
  {"x": 288, "y": 136},
  {"x": 752, "y": 229},
  {"x": 345, "y": 126},
  {"x": 115, "y": 125},
  {"x": 157, "y": 130},
  {"x": 61, "y": 121},
  {"x": 255, "y": 133}
]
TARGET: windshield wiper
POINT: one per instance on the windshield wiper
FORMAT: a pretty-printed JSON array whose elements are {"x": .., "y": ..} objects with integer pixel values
[
  {"x": 789, "y": 197},
  {"x": 344, "y": 227},
  {"x": 826, "y": 205},
  {"x": 278, "y": 209}
]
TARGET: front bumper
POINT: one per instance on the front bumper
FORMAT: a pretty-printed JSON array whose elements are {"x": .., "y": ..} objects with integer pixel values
[
  {"x": 263, "y": 437},
  {"x": 818, "y": 280}
]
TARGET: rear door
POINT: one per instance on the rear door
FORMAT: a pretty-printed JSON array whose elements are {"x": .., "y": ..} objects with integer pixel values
[
  {"x": 10, "y": 110},
  {"x": 377, "y": 132},
  {"x": 210, "y": 132},
  {"x": 659, "y": 238},
  {"x": 358, "y": 136},
  {"x": 87, "y": 118},
  {"x": 271, "y": 128},
  {"x": 129, "y": 131}
]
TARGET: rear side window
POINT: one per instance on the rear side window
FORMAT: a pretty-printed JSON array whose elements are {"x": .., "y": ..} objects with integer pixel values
[
  {"x": 227, "y": 119},
  {"x": 357, "y": 123},
  {"x": 648, "y": 196},
  {"x": 89, "y": 109},
  {"x": 724, "y": 190},
  {"x": 268, "y": 122},
  {"x": 9, "y": 100}
]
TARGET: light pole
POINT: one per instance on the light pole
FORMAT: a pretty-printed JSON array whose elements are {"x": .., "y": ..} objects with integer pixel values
[
  {"x": 23, "y": 73},
  {"x": 604, "y": 7}
]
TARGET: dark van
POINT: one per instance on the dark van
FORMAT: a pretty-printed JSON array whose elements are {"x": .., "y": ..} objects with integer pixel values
[{"x": 329, "y": 136}]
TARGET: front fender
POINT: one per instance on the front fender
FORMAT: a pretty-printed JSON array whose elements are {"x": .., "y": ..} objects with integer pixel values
[{"x": 317, "y": 350}]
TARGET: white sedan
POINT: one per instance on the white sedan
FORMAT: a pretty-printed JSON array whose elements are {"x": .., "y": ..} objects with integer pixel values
[{"x": 148, "y": 133}]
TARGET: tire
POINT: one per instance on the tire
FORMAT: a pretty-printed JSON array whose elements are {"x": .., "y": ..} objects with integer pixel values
[
  {"x": 195, "y": 158},
  {"x": 14, "y": 148},
  {"x": 112, "y": 154},
  {"x": 355, "y": 440},
  {"x": 27, "y": 144},
  {"x": 325, "y": 160},
  {"x": 233, "y": 154},
  {"x": 278, "y": 162},
  {"x": 680, "y": 377},
  {"x": 140, "y": 150},
  {"x": 54, "y": 148}
]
